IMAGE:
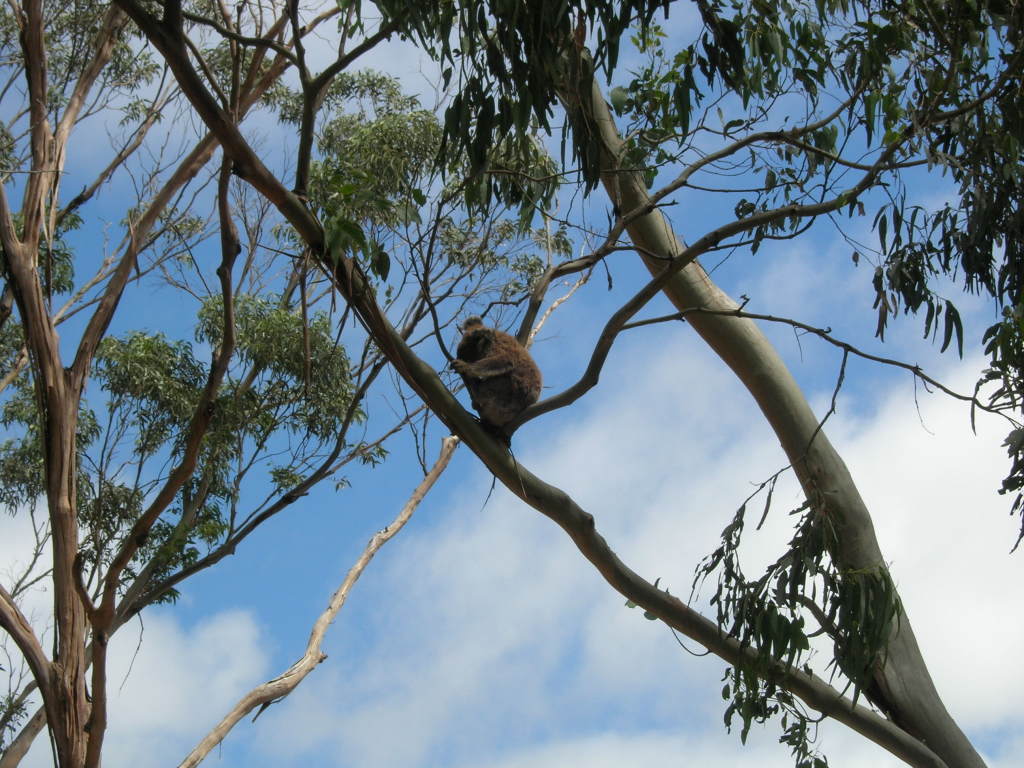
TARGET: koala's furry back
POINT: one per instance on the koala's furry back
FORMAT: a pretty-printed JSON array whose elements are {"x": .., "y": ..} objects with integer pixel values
[{"x": 501, "y": 376}]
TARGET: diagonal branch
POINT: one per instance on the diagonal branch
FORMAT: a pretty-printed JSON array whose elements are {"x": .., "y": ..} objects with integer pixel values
[
  {"x": 139, "y": 232},
  {"x": 187, "y": 170},
  {"x": 272, "y": 691},
  {"x": 13, "y": 621},
  {"x": 204, "y": 408},
  {"x": 167, "y": 37},
  {"x": 113, "y": 23},
  {"x": 119, "y": 159}
]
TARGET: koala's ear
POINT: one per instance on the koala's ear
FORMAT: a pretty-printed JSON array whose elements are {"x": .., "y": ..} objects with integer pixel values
[{"x": 471, "y": 322}]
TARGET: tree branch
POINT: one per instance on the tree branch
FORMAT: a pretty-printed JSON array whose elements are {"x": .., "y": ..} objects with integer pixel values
[
  {"x": 122, "y": 155},
  {"x": 33, "y": 50},
  {"x": 13, "y": 621},
  {"x": 903, "y": 677},
  {"x": 274, "y": 690}
]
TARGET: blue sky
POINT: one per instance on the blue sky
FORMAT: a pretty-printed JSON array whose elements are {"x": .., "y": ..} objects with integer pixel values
[{"x": 480, "y": 637}]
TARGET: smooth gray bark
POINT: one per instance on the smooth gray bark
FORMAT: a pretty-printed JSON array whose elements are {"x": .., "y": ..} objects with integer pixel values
[{"x": 902, "y": 677}]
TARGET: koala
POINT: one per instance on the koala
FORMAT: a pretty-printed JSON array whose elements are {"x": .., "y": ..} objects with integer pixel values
[{"x": 499, "y": 373}]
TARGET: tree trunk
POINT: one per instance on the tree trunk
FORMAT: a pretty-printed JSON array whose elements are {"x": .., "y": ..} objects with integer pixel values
[
  {"x": 902, "y": 675},
  {"x": 63, "y": 689}
]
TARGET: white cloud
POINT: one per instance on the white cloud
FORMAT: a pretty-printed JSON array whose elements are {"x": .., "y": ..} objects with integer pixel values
[
  {"x": 167, "y": 692},
  {"x": 638, "y": 750},
  {"x": 931, "y": 487}
]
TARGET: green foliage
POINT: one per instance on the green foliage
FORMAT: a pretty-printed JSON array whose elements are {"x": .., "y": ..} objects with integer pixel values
[
  {"x": 518, "y": 173},
  {"x": 505, "y": 59},
  {"x": 478, "y": 247},
  {"x": 8, "y": 160},
  {"x": 281, "y": 388},
  {"x": 375, "y": 145},
  {"x": 344, "y": 234},
  {"x": 857, "y": 610},
  {"x": 937, "y": 90},
  {"x": 151, "y": 386},
  {"x": 14, "y": 713},
  {"x": 376, "y": 148},
  {"x": 154, "y": 385},
  {"x": 385, "y": 157},
  {"x": 21, "y": 472},
  {"x": 363, "y": 93},
  {"x": 1004, "y": 343},
  {"x": 21, "y": 458},
  {"x": 11, "y": 341},
  {"x": 70, "y": 30},
  {"x": 56, "y": 257}
]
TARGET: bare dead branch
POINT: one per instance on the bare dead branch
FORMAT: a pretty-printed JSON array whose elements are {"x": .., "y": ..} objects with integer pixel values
[
  {"x": 274, "y": 690},
  {"x": 555, "y": 305}
]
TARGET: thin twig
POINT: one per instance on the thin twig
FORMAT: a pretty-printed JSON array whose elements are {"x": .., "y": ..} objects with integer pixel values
[{"x": 826, "y": 335}]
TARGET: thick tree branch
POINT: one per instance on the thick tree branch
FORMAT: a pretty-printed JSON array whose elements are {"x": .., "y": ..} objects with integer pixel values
[
  {"x": 33, "y": 50},
  {"x": 103, "y": 47},
  {"x": 903, "y": 677}
]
